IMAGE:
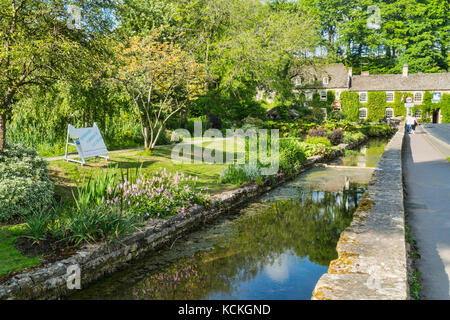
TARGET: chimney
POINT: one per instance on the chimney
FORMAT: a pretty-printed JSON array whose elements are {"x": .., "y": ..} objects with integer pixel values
[{"x": 405, "y": 70}]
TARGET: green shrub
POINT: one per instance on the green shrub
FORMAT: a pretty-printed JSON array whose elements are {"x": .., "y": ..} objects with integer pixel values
[
  {"x": 24, "y": 183},
  {"x": 381, "y": 130},
  {"x": 99, "y": 223},
  {"x": 319, "y": 140},
  {"x": 38, "y": 223},
  {"x": 291, "y": 155},
  {"x": 238, "y": 174}
]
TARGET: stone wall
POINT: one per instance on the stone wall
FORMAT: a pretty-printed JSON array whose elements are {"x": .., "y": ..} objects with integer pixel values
[
  {"x": 372, "y": 258},
  {"x": 97, "y": 260}
]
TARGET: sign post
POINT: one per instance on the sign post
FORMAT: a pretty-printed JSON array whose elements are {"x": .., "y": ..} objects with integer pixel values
[
  {"x": 88, "y": 142},
  {"x": 409, "y": 105}
]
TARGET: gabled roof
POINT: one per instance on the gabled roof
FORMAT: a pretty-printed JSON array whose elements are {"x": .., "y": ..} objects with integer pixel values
[
  {"x": 398, "y": 82},
  {"x": 337, "y": 76}
]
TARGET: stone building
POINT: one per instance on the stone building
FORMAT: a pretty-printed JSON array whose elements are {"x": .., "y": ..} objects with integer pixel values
[{"x": 338, "y": 78}]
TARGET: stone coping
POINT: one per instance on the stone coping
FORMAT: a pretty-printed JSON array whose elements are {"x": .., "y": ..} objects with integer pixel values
[
  {"x": 94, "y": 261},
  {"x": 372, "y": 256}
]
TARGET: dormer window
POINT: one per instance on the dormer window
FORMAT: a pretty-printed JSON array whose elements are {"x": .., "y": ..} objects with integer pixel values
[
  {"x": 298, "y": 81},
  {"x": 325, "y": 81}
]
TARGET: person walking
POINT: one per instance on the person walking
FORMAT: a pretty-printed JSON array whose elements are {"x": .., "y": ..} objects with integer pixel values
[
  {"x": 409, "y": 123},
  {"x": 414, "y": 125}
]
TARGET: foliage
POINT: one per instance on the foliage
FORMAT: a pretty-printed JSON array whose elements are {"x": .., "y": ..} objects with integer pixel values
[
  {"x": 376, "y": 105},
  {"x": 318, "y": 140},
  {"x": 238, "y": 174},
  {"x": 99, "y": 222},
  {"x": 336, "y": 137},
  {"x": 24, "y": 183},
  {"x": 350, "y": 105},
  {"x": 161, "y": 80},
  {"x": 165, "y": 194},
  {"x": 382, "y": 130},
  {"x": 319, "y": 132},
  {"x": 38, "y": 224},
  {"x": 291, "y": 156}
]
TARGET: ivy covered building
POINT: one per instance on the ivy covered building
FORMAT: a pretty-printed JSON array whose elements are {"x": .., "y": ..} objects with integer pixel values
[{"x": 374, "y": 97}]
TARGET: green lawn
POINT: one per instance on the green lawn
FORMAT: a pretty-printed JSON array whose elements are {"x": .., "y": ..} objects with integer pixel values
[
  {"x": 67, "y": 175},
  {"x": 10, "y": 258}
]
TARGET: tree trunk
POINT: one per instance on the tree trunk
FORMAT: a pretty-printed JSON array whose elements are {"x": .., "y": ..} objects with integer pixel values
[
  {"x": 2, "y": 131},
  {"x": 145, "y": 134},
  {"x": 86, "y": 118}
]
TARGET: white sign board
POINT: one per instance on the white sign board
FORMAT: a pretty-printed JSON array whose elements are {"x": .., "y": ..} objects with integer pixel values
[{"x": 88, "y": 141}]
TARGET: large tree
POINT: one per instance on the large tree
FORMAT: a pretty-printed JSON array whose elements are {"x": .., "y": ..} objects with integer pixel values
[
  {"x": 161, "y": 80},
  {"x": 43, "y": 42}
]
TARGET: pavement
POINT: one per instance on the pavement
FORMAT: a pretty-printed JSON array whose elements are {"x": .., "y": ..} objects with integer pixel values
[{"x": 427, "y": 179}]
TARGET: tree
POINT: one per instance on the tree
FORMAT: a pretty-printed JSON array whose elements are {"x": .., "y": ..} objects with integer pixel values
[
  {"x": 40, "y": 45},
  {"x": 161, "y": 80}
]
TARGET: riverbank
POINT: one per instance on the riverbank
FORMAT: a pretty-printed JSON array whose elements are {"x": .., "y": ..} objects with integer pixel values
[
  {"x": 95, "y": 261},
  {"x": 372, "y": 262}
]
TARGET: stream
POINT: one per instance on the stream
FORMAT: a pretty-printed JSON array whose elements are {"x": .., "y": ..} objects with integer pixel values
[{"x": 276, "y": 248}]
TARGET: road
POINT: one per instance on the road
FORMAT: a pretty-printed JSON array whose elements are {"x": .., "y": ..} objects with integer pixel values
[{"x": 427, "y": 179}]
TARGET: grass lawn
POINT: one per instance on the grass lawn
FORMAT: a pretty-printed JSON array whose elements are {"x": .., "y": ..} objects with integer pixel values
[
  {"x": 67, "y": 175},
  {"x": 10, "y": 258}
]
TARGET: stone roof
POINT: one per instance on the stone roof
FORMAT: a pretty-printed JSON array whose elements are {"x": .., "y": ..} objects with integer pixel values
[
  {"x": 398, "y": 82},
  {"x": 337, "y": 76}
]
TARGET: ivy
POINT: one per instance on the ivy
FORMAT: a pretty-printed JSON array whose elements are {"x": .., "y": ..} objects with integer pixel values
[
  {"x": 376, "y": 105},
  {"x": 350, "y": 105}
]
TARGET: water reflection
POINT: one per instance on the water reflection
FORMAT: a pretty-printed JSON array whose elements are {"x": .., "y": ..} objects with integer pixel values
[
  {"x": 368, "y": 155},
  {"x": 270, "y": 250}
]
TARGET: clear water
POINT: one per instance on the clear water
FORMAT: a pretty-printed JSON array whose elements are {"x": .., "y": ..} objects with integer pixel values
[{"x": 276, "y": 248}]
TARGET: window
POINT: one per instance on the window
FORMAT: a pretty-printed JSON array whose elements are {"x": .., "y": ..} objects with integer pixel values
[
  {"x": 338, "y": 95},
  {"x": 389, "y": 96},
  {"x": 309, "y": 95},
  {"x": 363, "y": 97},
  {"x": 389, "y": 113},
  {"x": 323, "y": 95},
  {"x": 298, "y": 81},
  {"x": 325, "y": 81},
  {"x": 363, "y": 113},
  {"x": 418, "y": 113},
  {"x": 259, "y": 95},
  {"x": 418, "y": 97}
]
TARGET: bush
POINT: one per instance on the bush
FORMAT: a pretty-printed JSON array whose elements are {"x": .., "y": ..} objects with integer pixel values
[
  {"x": 24, "y": 183},
  {"x": 238, "y": 174},
  {"x": 319, "y": 140},
  {"x": 336, "y": 137},
  {"x": 291, "y": 156},
  {"x": 318, "y": 133},
  {"x": 336, "y": 115},
  {"x": 382, "y": 130},
  {"x": 99, "y": 223}
]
